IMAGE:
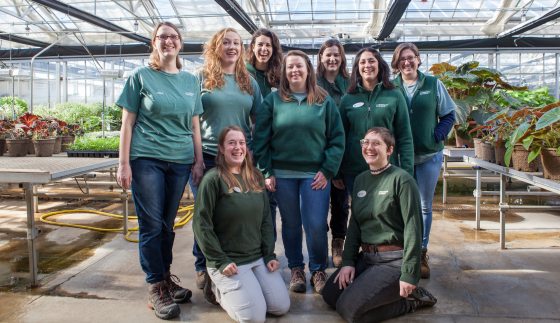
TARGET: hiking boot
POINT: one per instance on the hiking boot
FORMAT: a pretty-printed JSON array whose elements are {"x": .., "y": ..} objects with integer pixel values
[
  {"x": 424, "y": 268},
  {"x": 318, "y": 281},
  {"x": 420, "y": 297},
  {"x": 161, "y": 302},
  {"x": 297, "y": 282},
  {"x": 201, "y": 277},
  {"x": 336, "y": 249},
  {"x": 208, "y": 292},
  {"x": 178, "y": 294}
]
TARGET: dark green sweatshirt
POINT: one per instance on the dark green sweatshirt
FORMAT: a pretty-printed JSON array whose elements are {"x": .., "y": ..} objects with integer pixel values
[
  {"x": 379, "y": 108},
  {"x": 232, "y": 226},
  {"x": 386, "y": 210},
  {"x": 337, "y": 89},
  {"x": 423, "y": 114},
  {"x": 297, "y": 136},
  {"x": 260, "y": 76}
]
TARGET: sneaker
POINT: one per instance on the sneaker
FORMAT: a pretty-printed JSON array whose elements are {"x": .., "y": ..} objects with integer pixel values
[
  {"x": 178, "y": 294},
  {"x": 336, "y": 249},
  {"x": 201, "y": 277},
  {"x": 424, "y": 267},
  {"x": 420, "y": 297},
  {"x": 297, "y": 282},
  {"x": 318, "y": 281},
  {"x": 160, "y": 301},
  {"x": 208, "y": 292}
]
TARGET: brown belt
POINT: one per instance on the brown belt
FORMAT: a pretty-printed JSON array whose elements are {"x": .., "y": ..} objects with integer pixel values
[{"x": 366, "y": 247}]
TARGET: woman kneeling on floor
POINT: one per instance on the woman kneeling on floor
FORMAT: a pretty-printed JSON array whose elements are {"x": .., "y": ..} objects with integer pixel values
[
  {"x": 380, "y": 282},
  {"x": 233, "y": 227}
]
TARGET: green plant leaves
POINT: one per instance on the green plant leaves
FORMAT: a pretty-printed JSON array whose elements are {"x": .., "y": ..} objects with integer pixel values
[{"x": 548, "y": 118}]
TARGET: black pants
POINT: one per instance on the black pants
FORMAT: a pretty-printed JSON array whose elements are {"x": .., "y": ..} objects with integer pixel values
[
  {"x": 374, "y": 294},
  {"x": 339, "y": 212}
]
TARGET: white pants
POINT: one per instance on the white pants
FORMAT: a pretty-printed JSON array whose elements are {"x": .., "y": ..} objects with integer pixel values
[{"x": 251, "y": 293}]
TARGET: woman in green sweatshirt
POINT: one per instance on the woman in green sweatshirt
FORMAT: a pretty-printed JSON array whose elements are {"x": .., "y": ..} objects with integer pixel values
[
  {"x": 299, "y": 142},
  {"x": 380, "y": 282},
  {"x": 373, "y": 101},
  {"x": 233, "y": 228}
]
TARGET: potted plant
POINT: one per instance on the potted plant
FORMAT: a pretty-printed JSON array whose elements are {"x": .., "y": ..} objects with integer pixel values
[
  {"x": 43, "y": 141},
  {"x": 69, "y": 133},
  {"x": 17, "y": 140},
  {"x": 5, "y": 125},
  {"x": 473, "y": 89},
  {"x": 94, "y": 147}
]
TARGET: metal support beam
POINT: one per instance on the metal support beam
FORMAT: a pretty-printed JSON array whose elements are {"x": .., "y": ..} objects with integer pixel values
[
  {"x": 22, "y": 40},
  {"x": 238, "y": 14},
  {"x": 94, "y": 20},
  {"x": 392, "y": 18},
  {"x": 531, "y": 24}
]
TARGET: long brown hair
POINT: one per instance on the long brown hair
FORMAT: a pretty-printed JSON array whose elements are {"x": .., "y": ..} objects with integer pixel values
[
  {"x": 154, "y": 59},
  {"x": 382, "y": 75},
  {"x": 213, "y": 73},
  {"x": 274, "y": 64},
  {"x": 315, "y": 94},
  {"x": 397, "y": 55},
  {"x": 254, "y": 181},
  {"x": 342, "y": 68}
]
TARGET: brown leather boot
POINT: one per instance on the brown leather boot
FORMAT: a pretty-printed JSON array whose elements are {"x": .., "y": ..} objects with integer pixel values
[
  {"x": 424, "y": 267},
  {"x": 336, "y": 249}
]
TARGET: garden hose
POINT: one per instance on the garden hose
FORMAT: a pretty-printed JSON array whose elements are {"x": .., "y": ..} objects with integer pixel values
[{"x": 184, "y": 219}]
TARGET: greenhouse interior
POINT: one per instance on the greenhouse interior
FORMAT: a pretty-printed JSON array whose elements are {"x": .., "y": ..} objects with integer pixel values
[{"x": 75, "y": 74}]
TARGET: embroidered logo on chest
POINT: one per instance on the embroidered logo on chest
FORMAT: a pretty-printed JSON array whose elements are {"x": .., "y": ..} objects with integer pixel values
[
  {"x": 382, "y": 192},
  {"x": 381, "y": 105},
  {"x": 358, "y": 104},
  {"x": 160, "y": 93},
  {"x": 424, "y": 92},
  {"x": 189, "y": 93}
]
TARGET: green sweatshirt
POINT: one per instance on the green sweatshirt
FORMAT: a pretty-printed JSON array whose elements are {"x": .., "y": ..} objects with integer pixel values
[
  {"x": 423, "y": 110},
  {"x": 386, "y": 210},
  {"x": 337, "y": 89},
  {"x": 232, "y": 226},
  {"x": 380, "y": 108},
  {"x": 260, "y": 76},
  {"x": 227, "y": 106},
  {"x": 297, "y": 136}
]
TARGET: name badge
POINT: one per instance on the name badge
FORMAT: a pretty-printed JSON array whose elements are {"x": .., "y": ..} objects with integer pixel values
[
  {"x": 237, "y": 189},
  {"x": 382, "y": 192},
  {"x": 361, "y": 194},
  {"x": 424, "y": 92},
  {"x": 273, "y": 89},
  {"x": 381, "y": 105},
  {"x": 358, "y": 104}
]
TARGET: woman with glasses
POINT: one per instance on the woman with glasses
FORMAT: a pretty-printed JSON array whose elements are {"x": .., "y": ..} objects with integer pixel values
[
  {"x": 299, "y": 142},
  {"x": 380, "y": 281},
  {"x": 433, "y": 113},
  {"x": 160, "y": 147},
  {"x": 233, "y": 227},
  {"x": 333, "y": 77},
  {"x": 373, "y": 101},
  {"x": 230, "y": 97}
]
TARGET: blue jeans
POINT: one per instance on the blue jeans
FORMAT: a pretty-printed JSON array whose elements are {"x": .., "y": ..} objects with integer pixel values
[
  {"x": 426, "y": 175},
  {"x": 299, "y": 204},
  {"x": 199, "y": 259},
  {"x": 157, "y": 188}
]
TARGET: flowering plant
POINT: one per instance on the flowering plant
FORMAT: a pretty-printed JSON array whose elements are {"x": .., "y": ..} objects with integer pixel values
[{"x": 19, "y": 131}]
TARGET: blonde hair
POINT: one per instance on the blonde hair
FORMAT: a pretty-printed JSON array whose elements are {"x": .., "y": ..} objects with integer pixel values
[
  {"x": 154, "y": 59},
  {"x": 253, "y": 179},
  {"x": 212, "y": 71},
  {"x": 315, "y": 94}
]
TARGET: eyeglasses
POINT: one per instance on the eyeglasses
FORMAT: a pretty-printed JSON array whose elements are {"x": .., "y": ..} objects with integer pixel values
[
  {"x": 366, "y": 142},
  {"x": 409, "y": 58},
  {"x": 166, "y": 37}
]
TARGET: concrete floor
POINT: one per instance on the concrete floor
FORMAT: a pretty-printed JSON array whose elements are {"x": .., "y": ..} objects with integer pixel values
[{"x": 473, "y": 280}]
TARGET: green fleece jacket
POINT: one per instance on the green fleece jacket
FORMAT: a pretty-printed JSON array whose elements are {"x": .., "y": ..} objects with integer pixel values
[
  {"x": 386, "y": 210},
  {"x": 232, "y": 226},
  {"x": 337, "y": 89},
  {"x": 298, "y": 136},
  {"x": 379, "y": 108},
  {"x": 260, "y": 76}
]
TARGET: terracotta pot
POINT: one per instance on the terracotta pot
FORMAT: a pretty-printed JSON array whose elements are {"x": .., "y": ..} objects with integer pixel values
[
  {"x": 30, "y": 147},
  {"x": 519, "y": 160},
  {"x": 57, "y": 145},
  {"x": 499, "y": 152},
  {"x": 477, "y": 147},
  {"x": 66, "y": 141},
  {"x": 550, "y": 163},
  {"x": 2, "y": 146},
  {"x": 17, "y": 147},
  {"x": 487, "y": 152},
  {"x": 44, "y": 147},
  {"x": 461, "y": 142}
]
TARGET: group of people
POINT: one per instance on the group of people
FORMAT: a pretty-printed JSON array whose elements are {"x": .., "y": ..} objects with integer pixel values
[{"x": 256, "y": 131}]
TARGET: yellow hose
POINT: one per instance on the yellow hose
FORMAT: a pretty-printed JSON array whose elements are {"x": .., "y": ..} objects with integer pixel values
[{"x": 179, "y": 223}]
